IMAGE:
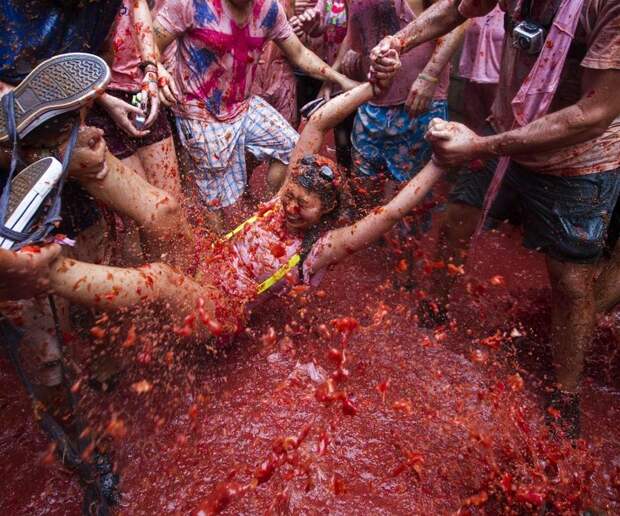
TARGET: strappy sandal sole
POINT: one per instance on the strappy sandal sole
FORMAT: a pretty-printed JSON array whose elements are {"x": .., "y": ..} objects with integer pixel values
[{"x": 59, "y": 85}]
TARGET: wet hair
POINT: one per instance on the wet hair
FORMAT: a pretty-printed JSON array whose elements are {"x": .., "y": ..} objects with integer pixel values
[{"x": 321, "y": 176}]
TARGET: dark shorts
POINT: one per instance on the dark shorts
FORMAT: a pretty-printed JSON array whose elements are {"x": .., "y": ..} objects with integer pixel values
[
  {"x": 613, "y": 234},
  {"x": 567, "y": 218},
  {"x": 119, "y": 142}
]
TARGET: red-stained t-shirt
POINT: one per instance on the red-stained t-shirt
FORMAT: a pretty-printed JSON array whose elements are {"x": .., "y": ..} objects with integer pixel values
[
  {"x": 481, "y": 56},
  {"x": 216, "y": 58},
  {"x": 598, "y": 32},
  {"x": 126, "y": 73},
  {"x": 258, "y": 251}
]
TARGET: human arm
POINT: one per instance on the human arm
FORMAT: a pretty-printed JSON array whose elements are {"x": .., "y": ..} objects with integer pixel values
[
  {"x": 327, "y": 117},
  {"x": 331, "y": 114},
  {"x": 162, "y": 36},
  {"x": 25, "y": 274},
  {"x": 439, "y": 19},
  {"x": 455, "y": 144},
  {"x": 423, "y": 88},
  {"x": 149, "y": 55},
  {"x": 339, "y": 243},
  {"x": 173, "y": 19},
  {"x": 168, "y": 89},
  {"x": 312, "y": 64}
]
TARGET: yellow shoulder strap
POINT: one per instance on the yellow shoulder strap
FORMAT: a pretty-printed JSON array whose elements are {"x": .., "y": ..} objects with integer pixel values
[
  {"x": 281, "y": 272},
  {"x": 240, "y": 227}
]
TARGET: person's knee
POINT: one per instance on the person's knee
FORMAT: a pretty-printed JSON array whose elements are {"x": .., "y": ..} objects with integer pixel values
[
  {"x": 572, "y": 283},
  {"x": 166, "y": 212},
  {"x": 460, "y": 223}
]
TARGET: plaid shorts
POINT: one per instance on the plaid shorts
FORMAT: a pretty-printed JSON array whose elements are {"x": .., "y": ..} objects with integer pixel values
[{"x": 217, "y": 149}]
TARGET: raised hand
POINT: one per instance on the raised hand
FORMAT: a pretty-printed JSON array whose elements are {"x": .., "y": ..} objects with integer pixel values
[{"x": 305, "y": 23}]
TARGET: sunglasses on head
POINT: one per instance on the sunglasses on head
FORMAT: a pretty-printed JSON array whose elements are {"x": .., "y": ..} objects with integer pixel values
[{"x": 325, "y": 171}]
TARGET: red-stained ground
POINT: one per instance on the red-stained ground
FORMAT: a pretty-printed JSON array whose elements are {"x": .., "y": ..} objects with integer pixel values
[{"x": 442, "y": 422}]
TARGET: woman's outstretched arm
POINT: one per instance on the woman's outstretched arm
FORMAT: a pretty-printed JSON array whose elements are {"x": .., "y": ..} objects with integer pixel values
[
  {"x": 340, "y": 107},
  {"x": 344, "y": 241}
]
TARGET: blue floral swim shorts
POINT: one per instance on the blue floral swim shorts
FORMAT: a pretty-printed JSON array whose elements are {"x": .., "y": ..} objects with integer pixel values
[{"x": 387, "y": 139}]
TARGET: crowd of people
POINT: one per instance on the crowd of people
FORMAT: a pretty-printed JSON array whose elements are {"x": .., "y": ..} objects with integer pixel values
[{"x": 157, "y": 113}]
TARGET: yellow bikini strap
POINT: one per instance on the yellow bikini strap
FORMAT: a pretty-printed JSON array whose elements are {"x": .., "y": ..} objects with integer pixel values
[
  {"x": 240, "y": 227},
  {"x": 281, "y": 272}
]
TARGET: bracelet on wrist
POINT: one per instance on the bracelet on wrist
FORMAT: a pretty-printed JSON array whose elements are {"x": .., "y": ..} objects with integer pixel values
[
  {"x": 145, "y": 64},
  {"x": 428, "y": 78}
]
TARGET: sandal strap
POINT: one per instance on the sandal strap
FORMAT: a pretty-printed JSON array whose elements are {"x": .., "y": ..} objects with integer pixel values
[{"x": 53, "y": 214}]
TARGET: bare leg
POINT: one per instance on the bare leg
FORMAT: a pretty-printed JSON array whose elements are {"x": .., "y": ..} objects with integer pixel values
[
  {"x": 135, "y": 163},
  {"x": 161, "y": 167},
  {"x": 166, "y": 231},
  {"x": 573, "y": 318},
  {"x": 114, "y": 288},
  {"x": 456, "y": 232},
  {"x": 276, "y": 175},
  {"x": 607, "y": 285},
  {"x": 129, "y": 242}
]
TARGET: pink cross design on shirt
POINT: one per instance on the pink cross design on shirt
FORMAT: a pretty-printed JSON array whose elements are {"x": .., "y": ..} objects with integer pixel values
[{"x": 240, "y": 44}]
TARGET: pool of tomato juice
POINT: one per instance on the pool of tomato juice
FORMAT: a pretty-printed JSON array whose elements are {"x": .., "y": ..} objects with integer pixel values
[{"x": 305, "y": 415}]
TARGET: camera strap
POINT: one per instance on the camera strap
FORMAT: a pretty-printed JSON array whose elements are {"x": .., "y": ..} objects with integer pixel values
[{"x": 525, "y": 13}]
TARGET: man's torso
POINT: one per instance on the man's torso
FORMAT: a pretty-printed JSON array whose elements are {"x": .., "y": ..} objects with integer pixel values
[{"x": 593, "y": 47}]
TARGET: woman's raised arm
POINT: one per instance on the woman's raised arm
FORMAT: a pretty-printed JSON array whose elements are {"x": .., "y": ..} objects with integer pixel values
[
  {"x": 344, "y": 241},
  {"x": 328, "y": 117}
]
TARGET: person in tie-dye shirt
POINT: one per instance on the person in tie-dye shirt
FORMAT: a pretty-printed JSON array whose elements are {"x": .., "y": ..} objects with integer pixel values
[{"x": 219, "y": 43}]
